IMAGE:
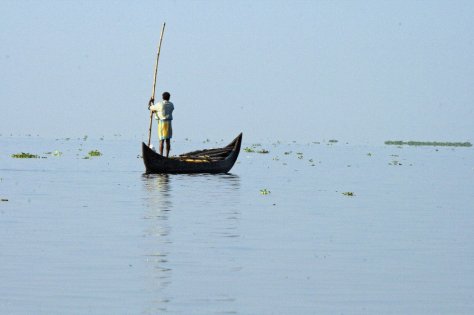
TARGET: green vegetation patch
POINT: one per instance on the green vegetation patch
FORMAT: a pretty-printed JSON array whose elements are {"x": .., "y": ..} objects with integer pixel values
[
  {"x": 429, "y": 143},
  {"x": 95, "y": 153},
  {"x": 348, "y": 193},
  {"x": 24, "y": 155},
  {"x": 252, "y": 149},
  {"x": 265, "y": 191}
]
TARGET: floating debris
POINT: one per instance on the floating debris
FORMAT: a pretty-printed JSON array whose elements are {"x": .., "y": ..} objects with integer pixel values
[
  {"x": 263, "y": 151},
  {"x": 54, "y": 153},
  {"x": 4, "y": 199},
  {"x": 24, "y": 155},
  {"x": 429, "y": 143},
  {"x": 333, "y": 141},
  {"x": 348, "y": 193},
  {"x": 265, "y": 191},
  {"x": 249, "y": 150}
]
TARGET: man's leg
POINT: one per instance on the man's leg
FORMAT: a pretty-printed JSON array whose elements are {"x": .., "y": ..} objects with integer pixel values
[
  {"x": 168, "y": 147},
  {"x": 161, "y": 146}
]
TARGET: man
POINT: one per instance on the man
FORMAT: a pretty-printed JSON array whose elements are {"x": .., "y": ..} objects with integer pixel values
[{"x": 164, "y": 114}]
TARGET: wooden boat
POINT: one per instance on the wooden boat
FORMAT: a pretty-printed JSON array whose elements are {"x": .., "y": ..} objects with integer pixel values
[{"x": 219, "y": 160}]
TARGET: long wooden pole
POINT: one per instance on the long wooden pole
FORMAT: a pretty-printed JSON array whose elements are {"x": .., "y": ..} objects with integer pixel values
[{"x": 154, "y": 81}]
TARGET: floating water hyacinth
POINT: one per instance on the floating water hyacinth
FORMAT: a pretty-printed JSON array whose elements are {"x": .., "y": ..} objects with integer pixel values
[
  {"x": 348, "y": 193},
  {"x": 24, "y": 155},
  {"x": 265, "y": 191},
  {"x": 253, "y": 150},
  {"x": 429, "y": 143},
  {"x": 95, "y": 153}
]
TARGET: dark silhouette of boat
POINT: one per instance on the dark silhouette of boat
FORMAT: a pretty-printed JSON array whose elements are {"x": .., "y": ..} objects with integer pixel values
[{"x": 219, "y": 160}]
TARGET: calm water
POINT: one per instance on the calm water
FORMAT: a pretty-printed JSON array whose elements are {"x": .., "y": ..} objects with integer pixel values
[{"x": 96, "y": 236}]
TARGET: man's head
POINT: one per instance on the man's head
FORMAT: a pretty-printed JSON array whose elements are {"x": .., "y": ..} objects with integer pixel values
[{"x": 166, "y": 96}]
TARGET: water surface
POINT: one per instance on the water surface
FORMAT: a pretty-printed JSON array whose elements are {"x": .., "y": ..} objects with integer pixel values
[{"x": 97, "y": 236}]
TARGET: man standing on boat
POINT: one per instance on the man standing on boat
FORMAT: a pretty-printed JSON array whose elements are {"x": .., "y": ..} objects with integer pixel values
[{"x": 164, "y": 114}]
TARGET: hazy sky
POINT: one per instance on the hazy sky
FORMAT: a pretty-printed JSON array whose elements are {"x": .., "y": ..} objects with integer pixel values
[{"x": 362, "y": 71}]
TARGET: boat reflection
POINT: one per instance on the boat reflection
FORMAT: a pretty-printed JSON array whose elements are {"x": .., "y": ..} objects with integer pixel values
[
  {"x": 157, "y": 204},
  {"x": 172, "y": 203}
]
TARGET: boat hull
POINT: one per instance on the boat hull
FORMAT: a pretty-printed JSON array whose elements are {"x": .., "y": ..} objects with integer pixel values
[{"x": 158, "y": 164}]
